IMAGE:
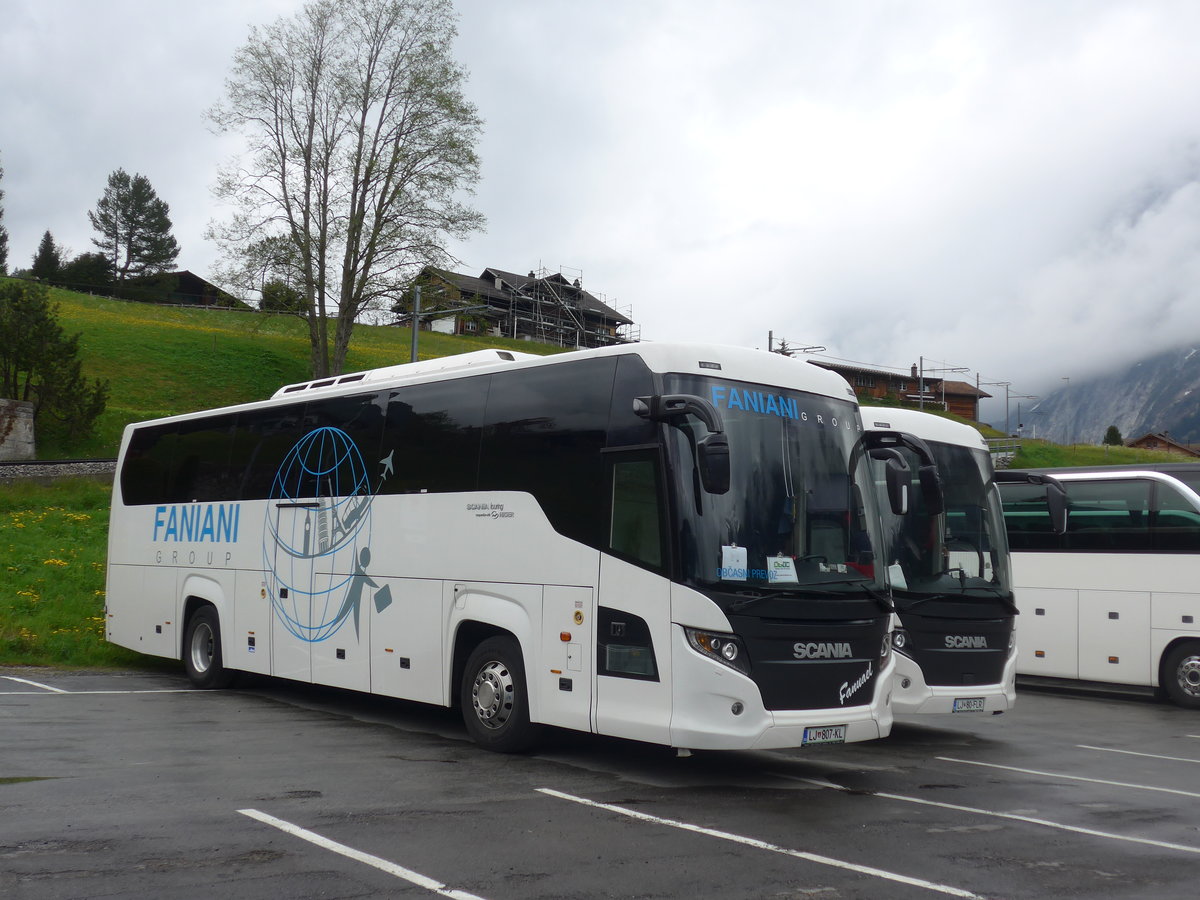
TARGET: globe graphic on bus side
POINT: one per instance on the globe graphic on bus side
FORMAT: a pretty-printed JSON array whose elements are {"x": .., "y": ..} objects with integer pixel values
[{"x": 317, "y": 532}]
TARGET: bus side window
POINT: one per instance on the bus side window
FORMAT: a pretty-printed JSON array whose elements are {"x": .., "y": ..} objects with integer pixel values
[
  {"x": 432, "y": 434},
  {"x": 636, "y": 529},
  {"x": 262, "y": 439},
  {"x": 200, "y": 467},
  {"x": 1109, "y": 516},
  {"x": 146, "y": 469},
  {"x": 360, "y": 418},
  {"x": 1027, "y": 518},
  {"x": 543, "y": 431},
  {"x": 1176, "y": 523}
]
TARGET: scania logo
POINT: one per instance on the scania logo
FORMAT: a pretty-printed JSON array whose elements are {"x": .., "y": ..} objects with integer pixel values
[
  {"x": 966, "y": 642},
  {"x": 821, "y": 650}
]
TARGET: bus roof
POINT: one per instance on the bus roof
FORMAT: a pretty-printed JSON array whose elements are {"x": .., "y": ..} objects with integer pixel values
[
  {"x": 927, "y": 426},
  {"x": 709, "y": 360}
]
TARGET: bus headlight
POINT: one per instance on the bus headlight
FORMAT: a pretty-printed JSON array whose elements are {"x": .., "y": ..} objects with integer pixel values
[
  {"x": 726, "y": 649},
  {"x": 1012, "y": 642},
  {"x": 900, "y": 641},
  {"x": 886, "y": 650}
]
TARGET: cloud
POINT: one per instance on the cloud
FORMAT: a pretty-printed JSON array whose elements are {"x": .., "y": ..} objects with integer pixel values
[{"x": 1009, "y": 187}]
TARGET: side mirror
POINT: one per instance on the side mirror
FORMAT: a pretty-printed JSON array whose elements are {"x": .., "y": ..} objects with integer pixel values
[
  {"x": 712, "y": 459},
  {"x": 1056, "y": 494},
  {"x": 1056, "y": 503},
  {"x": 931, "y": 490},
  {"x": 712, "y": 450},
  {"x": 896, "y": 476}
]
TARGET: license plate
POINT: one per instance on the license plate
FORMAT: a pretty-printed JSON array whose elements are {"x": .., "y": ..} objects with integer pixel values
[
  {"x": 826, "y": 734},
  {"x": 969, "y": 704}
]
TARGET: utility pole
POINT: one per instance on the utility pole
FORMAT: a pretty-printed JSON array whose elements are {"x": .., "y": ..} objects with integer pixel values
[{"x": 416, "y": 319}]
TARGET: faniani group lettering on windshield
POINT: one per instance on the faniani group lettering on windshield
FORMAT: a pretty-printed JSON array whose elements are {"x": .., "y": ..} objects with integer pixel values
[{"x": 767, "y": 404}]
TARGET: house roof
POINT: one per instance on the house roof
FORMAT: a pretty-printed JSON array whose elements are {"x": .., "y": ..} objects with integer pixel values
[
  {"x": 522, "y": 286},
  {"x": 524, "y": 283},
  {"x": 866, "y": 370},
  {"x": 963, "y": 389},
  {"x": 1164, "y": 438}
]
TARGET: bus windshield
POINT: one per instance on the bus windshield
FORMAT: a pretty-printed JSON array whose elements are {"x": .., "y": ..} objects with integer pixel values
[
  {"x": 794, "y": 518},
  {"x": 961, "y": 552}
]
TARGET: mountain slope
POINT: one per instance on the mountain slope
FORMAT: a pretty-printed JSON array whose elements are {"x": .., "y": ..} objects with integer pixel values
[{"x": 1159, "y": 394}]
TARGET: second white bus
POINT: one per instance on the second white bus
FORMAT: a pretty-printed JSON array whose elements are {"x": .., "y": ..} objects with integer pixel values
[
  {"x": 949, "y": 573},
  {"x": 1116, "y": 598}
]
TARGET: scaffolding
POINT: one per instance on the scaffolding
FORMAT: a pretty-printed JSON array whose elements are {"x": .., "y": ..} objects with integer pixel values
[{"x": 551, "y": 307}]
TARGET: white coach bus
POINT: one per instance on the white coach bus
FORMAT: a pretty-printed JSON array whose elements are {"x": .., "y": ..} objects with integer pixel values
[
  {"x": 949, "y": 569},
  {"x": 667, "y": 543},
  {"x": 1116, "y": 598}
]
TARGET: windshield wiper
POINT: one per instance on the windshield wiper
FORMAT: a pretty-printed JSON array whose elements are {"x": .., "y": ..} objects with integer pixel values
[
  {"x": 808, "y": 592},
  {"x": 1000, "y": 595}
]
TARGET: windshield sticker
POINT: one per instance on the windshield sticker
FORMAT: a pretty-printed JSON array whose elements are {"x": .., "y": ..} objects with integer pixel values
[
  {"x": 896, "y": 576},
  {"x": 827, "y": 568},
  {"x": 781, "y": 569},
  {"x": 733, "y": 563}
]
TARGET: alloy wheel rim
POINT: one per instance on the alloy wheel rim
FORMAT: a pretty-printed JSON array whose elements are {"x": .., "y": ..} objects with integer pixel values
[{"x": 492, "y": 694}]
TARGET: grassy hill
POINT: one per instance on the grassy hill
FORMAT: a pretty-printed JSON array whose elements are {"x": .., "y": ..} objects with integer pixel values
[
  {"x": 160, "y": 361},
  {"x": 163, "y": 360},
  {"x": 1042, "y": 454}
]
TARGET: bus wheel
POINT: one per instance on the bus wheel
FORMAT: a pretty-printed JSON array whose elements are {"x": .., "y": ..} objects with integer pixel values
[
  {"x": 202, "y": 651},
  {"x": 495, "y": 702},
  {"x": 1181, "y": 675}
]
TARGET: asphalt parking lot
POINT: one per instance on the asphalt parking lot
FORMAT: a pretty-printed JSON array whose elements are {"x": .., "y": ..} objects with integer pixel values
[{"x": 130, "y": 785}]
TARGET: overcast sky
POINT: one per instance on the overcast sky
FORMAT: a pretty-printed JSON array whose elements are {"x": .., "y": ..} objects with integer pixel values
[{"x": 1012, "y": 187}]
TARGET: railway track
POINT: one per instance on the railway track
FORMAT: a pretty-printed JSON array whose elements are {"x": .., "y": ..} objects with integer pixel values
[{"x": 50, "y": 469}]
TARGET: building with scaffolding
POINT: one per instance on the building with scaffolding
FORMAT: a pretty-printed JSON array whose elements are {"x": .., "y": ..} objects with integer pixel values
[{"x": 542, "y": 306}]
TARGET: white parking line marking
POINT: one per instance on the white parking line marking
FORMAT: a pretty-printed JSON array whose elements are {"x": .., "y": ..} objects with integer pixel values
[
  {"x": 763, "y": 845},
  {"x": 89, "y": 694},
  {"x": 1136, "y": 753},
  {"x": 44, "y": 687},
  {"x": 1015, "y": 817},
  {"x": 359, "y": 856},
  {"x": 1124, "y": 784}
]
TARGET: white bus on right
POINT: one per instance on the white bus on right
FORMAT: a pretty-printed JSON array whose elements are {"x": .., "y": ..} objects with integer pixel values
[{"x": 1116, "y": 597}]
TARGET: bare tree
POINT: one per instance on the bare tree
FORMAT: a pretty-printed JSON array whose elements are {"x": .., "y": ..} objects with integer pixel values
[{"x": 360, "y": 143}]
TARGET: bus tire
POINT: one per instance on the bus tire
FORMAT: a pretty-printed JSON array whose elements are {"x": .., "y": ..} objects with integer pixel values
[
  {"x": 1181, "y": 674},
  {"x": 202, "y": 651},
  {"x": 494, "y": 697}
]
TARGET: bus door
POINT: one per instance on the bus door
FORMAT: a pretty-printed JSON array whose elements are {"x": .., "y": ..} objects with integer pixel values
[
  {"x": 291, "y": 548},
  {"x": 633, "y": 614}
]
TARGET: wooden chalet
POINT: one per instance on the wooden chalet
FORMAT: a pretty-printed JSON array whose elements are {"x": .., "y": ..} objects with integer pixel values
[
  {"x": 538, "y": 307},
  {"x": 909, "y": 389},
  {"x": 1163, "y": 441}
]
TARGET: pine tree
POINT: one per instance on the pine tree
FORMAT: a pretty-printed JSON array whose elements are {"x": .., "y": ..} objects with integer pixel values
[
  {"x": 134, "y": 226},
  {"x": 1112, "y": 437},
  {"x": 47, "y": 262},
  {"x": 40, "y": 364}
]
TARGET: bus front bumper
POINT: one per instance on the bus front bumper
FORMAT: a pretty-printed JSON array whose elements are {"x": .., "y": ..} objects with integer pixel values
[
  {"x": 913, "y": 697},
  {"x": 717, "y": 708}
]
